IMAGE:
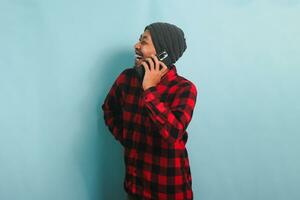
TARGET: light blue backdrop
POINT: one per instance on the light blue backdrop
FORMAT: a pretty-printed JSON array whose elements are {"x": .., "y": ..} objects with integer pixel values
[{"x": 59, "y": 58}]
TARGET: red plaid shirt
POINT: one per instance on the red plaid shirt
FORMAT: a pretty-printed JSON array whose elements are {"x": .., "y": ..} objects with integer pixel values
[{"x": 151, "y": 125}]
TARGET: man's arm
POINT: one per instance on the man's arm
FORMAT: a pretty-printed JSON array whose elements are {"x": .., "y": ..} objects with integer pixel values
[
  {"x": 112, "y": 110},
  {"x": 173, "y": 120}
]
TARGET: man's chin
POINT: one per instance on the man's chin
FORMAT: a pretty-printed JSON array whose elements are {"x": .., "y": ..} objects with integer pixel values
[{"x": 137, "y": 63}]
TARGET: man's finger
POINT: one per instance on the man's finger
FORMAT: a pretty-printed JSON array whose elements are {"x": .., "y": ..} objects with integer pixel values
[
  {"x": 163, "y": 65},
  {"x": 156, "y": 61},
  {"x": 150, "y": 61},
  {"x": 145, "y": 65}
]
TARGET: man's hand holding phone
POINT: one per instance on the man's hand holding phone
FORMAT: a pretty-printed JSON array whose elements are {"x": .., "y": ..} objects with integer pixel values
[{"x": 154, "y": 70}]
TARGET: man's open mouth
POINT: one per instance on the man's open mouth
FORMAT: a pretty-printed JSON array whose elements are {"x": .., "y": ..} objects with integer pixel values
[{"x": 138, "y": 57}]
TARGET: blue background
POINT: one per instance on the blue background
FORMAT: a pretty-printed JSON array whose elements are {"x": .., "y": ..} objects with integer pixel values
[{"x": 59, "y": 58}]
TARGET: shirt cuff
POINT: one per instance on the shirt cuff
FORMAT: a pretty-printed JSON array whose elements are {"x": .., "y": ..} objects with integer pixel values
[
  {"x": 148, "y": 94},
  {"x": 152, "y": 100}
]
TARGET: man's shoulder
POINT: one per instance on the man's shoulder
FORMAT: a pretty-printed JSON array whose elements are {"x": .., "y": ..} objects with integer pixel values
[
  {"x": 183, "y": 82},
  {"x": 128, "y": 71},
  {"x": 124, "y": 75}
]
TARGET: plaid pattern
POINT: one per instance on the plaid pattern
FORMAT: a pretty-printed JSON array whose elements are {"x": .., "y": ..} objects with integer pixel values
[{"x": 151, "y": 125}]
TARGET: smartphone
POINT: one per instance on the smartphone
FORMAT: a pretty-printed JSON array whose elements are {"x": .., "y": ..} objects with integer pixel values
[{"x": 140, "y": 69}]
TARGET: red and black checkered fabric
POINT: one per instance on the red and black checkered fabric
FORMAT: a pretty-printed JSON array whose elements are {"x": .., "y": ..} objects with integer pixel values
[{"x": 151, "y": 125}]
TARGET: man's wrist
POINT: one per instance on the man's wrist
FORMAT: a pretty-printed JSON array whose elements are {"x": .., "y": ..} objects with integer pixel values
[{"x": 147, "y": 87}]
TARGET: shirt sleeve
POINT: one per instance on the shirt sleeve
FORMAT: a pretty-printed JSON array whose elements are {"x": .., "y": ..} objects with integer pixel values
[
  {"x": 112, "y": 110},
  {"x": 171, "y": 120}
]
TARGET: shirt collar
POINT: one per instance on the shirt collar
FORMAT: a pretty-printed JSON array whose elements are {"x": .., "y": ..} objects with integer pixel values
[{"x": 170, "y": 75}]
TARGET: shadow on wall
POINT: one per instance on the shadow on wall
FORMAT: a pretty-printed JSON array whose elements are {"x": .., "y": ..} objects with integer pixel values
[
  {"x": 111, "y": 159},
  {"x": 98, "y": 155}
]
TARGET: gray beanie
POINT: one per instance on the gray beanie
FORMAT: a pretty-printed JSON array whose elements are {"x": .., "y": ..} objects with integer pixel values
[{"x": 167, "y": 37}]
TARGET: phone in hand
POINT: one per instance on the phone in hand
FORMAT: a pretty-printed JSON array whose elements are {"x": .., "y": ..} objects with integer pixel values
[{"x": 141, "y": 70}]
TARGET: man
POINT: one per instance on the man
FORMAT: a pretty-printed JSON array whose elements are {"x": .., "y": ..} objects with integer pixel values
[{"x": 149, "y": 115}]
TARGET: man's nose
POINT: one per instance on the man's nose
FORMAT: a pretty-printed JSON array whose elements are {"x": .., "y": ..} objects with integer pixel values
[{"x": 137, "y": 45}]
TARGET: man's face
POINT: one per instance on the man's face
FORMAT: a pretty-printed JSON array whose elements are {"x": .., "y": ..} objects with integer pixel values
[{"x": 144, "y": 48}]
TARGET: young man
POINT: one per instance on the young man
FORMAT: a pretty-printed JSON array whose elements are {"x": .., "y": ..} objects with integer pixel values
[{"x": 149, "y": 115}]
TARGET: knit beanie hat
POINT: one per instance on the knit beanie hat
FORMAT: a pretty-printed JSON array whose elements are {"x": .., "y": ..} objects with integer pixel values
[{"x": 167, "y": 37}]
